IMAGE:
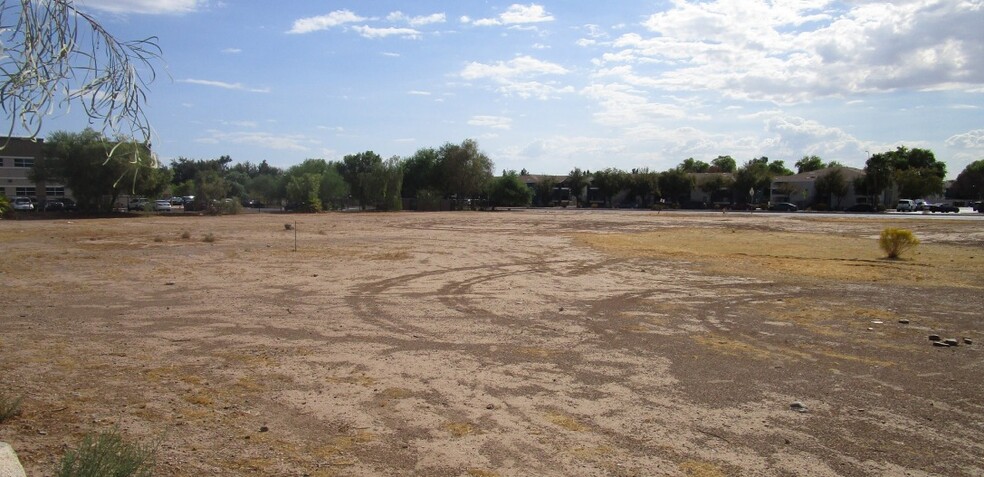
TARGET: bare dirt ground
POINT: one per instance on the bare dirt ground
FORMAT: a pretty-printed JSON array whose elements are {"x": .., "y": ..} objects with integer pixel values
[{"x": 574, "y": 343}]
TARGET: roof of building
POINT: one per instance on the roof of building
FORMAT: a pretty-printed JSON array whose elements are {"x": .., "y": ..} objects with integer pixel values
[{"x": 849, "y": 173}]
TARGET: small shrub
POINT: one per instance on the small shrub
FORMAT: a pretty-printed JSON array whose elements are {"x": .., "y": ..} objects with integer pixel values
[
  {"x": 107, "y": 454},
  {"x": 158, "y": 239},
  {"x": 894, "y": 242},
  {"x": 186, "y": 235},
  {"x": 9, "y": 407},
  {"x": 209, "y": 237}
]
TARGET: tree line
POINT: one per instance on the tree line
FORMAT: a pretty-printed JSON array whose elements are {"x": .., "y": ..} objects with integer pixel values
[{"x": 99, "y": 170}]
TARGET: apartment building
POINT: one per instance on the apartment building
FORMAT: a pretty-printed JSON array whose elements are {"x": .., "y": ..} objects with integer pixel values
[{"x": 17, "y": 158}]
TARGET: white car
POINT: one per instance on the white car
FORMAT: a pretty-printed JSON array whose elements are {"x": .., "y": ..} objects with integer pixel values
[
  {"x": 162, "y": 206},
  {"x": 22, "y": 203}
]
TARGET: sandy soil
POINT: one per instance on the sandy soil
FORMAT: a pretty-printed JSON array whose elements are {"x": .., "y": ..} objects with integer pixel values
[{"x": 574, "y": 343}]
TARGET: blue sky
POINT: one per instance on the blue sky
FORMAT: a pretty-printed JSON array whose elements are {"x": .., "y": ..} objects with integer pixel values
[{"x": 554, "y": 85}]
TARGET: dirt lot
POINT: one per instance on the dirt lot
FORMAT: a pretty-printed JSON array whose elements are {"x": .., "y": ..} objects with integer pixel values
[{"x": 497, "y": 344}]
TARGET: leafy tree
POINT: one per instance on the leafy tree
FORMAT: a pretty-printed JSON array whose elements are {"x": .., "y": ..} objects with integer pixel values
[
  {"x": 303, "y": 191},
  {"x": 970, "y": 182},
  {"x": 381, "y": 185},
  {"x": 723, "y": 164},
  {"x": 98, "y": 170},
  {"x": 210, "y": 188},
  {"x": 755, "y": 176},
  {"x": 55, "y": 55},
  {"x": 543, "y": 190},
  {"x": 333, "y": 191},
  {"x": 354, "y": 168},
  {"x": 916, "y": 172},
  {"x": 263, "y": 187},
  {"x": 692, "y": 165},
  {"x": 676, "y": 185},
  {"x": 465, "y": 170},
  {"x": 918, "y": 182},
  {"x": 715, "y": 185},
  {"x": 5, "y": 206},
  {"x": 509, "y": 191},
  {"x": 832, "y": 184},
  {"x": 643, "y": 185},
  {"x": 420, "y": 172},
  {"x": 609, "y": 182},
  {"x": 809, "y": 164},
  {"x": 778, "y": 168},
  {"x": 577, "y": 180}
]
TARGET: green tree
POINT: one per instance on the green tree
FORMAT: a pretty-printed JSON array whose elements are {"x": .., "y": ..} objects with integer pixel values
[
  {"x": 643, "y": 186},
  {"x": 970, "y": 182},
  {"x": 210, "y": 188},
  {"x": 778, "y": 168},
  {"x": 56, "y": 56},
  {"x": 723, "y": 164},
  {"x": 916, "y": 172},
  {"x": 577, "y": 180},
  {"x": 509, "y": 191},
  {"x": 303, "y": 191},
  {"x": 333, "y": 191},
  {"x": 543, "y": 191},
  {"x": 832, "y": 184},
  {"x": 382, "y": 184},
  {"x": 609, "y": 182},
  {"x": 754, "y": 176},
  {"x": 809, "y": 164},
  {"x": 692, "y": 165},
  {"x": 354, "y": 169},
  {"x": 675, "y": 185},
  {"x": 98, "y": 170},
  {"x": 465, "y": 170},
  {"x": 420, "y": 172}
]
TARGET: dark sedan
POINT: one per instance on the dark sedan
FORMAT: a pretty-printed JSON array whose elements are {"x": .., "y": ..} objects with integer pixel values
[
  {"x": 784, "y": 207},
  {"x": 943, "y": 208}
]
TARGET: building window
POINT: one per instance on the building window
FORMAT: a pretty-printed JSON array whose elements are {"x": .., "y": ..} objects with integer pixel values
[
  {"x": 25, "y": 191},
  {"x": 24, "y": 162},
  {"x": 54, "y": 191}
]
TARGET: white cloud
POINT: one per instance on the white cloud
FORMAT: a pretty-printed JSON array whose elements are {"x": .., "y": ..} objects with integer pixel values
[
  {"x": 969, "y": 140},
  {"x": 372, "y": 32},
  {"x": 144, "y": 6},
  {"x": 531, "y": 13},
  {"x": 224, "y": 85},
  {"x": 419, "y": 93},
  {"x": 798, "y": 51},
  {"x": 517, "y": 14},
  {"x": 261, "y": 140},
  {"x": 232, "y": 51},
  {"x": 513, "y": 77},
  {"x": 324, "y": 22},
  {"x": 418, "y": 21},
  {"x": 522, "y": 66},
  {"x": 494, "y": 122}
]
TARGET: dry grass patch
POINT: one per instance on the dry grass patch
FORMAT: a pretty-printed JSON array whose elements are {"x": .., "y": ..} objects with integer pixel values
[
  {"x": 794, "y": 255},
  {"x": 565, "y": 421},
  {"x": 696, "y": 468},
  {"x": 460, "y": 429}
]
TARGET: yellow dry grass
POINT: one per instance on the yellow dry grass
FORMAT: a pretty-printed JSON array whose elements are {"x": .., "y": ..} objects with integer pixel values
[
  {"x": 694, "y": 468},
  {"x": 797, "y": 256}
]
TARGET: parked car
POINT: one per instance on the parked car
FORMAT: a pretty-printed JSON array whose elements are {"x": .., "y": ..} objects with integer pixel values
[
  {"x": 70, "y": 205},
  {"x": 784, "y": 207},
  {"x": 944, "y": 208},
  {"x": 138, "y": 203},
  {"x": 253, "y": 203},
  {"x": 22, "y": 203},
  {"x": 862, "y": 208},
  {"x": 177, "y": 200},
  {"x": 51, "y": 205},
  {"x": 905, "y": 205},
  {"x": 162, "y": 205}
]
